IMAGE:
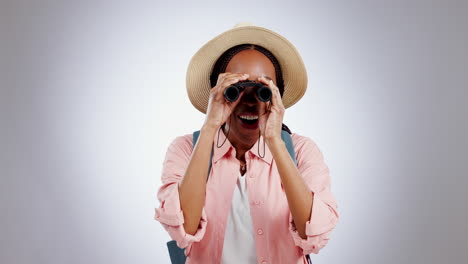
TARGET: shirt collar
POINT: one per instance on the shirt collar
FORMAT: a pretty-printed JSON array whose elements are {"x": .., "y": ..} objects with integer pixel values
[{"x": 227, "y": 147}]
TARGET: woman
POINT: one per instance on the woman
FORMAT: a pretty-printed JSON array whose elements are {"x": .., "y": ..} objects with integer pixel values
[{"x": 257, "y": 205}]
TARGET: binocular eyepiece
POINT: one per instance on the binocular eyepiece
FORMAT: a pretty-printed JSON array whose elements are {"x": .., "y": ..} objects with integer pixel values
[{"x": 232, "y": 92}]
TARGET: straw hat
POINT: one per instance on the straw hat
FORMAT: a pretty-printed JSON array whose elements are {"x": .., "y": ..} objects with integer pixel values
[{"x": 202, "y": 63}]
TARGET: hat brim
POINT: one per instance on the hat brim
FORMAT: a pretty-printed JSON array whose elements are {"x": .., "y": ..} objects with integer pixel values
[{"x": 202, "y": 63}]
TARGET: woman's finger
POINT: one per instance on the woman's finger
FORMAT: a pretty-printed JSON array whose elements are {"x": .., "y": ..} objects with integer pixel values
[
  {"x": 276, "y": 96},
  {"x": 233, "y": 79},
  {"x": 224, "y": 81},
  {"x": 234, "y": 75},
  {"x": 229, "y": 79}
]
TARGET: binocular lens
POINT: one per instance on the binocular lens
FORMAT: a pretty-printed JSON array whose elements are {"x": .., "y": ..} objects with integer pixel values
[
  {"x": 264, "y": 94},
  {"x": 232, "y": 92}
]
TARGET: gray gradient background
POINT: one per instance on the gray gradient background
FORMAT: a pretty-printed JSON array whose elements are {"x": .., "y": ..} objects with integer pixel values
[{"x": 92, "y": 93}]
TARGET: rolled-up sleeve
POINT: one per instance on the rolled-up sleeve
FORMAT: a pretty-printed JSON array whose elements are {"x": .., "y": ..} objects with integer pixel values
[
  {"x": 169, "y": 213},
  {"x": 324, "y": 215}
]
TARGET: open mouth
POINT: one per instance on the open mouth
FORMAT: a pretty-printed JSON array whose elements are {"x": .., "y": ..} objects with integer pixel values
[{"x": 248, "y": 119}]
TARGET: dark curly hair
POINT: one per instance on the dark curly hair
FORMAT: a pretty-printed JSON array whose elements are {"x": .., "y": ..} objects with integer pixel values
[{"x": 222, "y": 62}]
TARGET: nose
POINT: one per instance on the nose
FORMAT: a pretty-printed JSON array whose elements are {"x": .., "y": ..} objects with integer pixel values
[
  {"x": 249, "y": 99},
  {"x": 249, "y": 96}
]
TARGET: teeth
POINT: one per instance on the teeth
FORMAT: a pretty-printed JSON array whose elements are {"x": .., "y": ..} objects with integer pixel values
[{"x": 249, "y": 117}]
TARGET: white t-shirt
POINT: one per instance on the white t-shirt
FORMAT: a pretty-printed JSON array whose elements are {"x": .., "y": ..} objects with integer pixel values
[{"x": 239, "y": 241}]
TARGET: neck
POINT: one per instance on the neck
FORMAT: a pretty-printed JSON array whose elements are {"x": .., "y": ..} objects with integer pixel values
[{"x": 240, "y": 145}]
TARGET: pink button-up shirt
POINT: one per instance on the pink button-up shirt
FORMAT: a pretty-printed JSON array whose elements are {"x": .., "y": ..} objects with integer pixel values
[{"x": 276, "y": 237}]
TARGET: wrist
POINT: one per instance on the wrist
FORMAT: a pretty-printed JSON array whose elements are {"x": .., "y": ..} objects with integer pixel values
[
  {"x": 212, "y": 123},
  {"x": 274, "y": 142},
  {"x": 209, "y": 129}
]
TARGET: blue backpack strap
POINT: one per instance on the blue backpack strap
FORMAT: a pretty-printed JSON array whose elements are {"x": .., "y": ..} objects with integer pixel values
[
  {"x": 286, "y": 137},
  {"x": 176, "y": 253},
  {"x": 195, "y": 136}
]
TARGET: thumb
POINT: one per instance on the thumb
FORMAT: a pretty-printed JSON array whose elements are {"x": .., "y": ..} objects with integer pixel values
[{"x": 262, "y": 119}]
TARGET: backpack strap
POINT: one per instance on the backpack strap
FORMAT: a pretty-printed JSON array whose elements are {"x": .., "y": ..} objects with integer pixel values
[
  {"x": 286, "y": 137},
  {"x": 195, "y": 136}
]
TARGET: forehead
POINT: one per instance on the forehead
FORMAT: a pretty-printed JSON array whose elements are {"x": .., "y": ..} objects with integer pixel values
[{"x": 253, "y": 62}]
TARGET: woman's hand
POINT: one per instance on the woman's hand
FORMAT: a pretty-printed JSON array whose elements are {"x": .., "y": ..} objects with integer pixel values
[
  {"x": 271, "y": 115},
  {"x": 219, "y": 109}
]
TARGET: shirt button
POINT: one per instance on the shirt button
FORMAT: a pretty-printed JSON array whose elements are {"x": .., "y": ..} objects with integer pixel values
[
  {"x": 257, "y": 202},
  {"x": 251, "y": 175},
  {"x": 260, "y": 231},
  {"x": 264, "y": 262}
]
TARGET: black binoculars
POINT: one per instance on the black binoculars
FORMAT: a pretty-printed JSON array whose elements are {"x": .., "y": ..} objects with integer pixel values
[{"x": 232, "y": 92}]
